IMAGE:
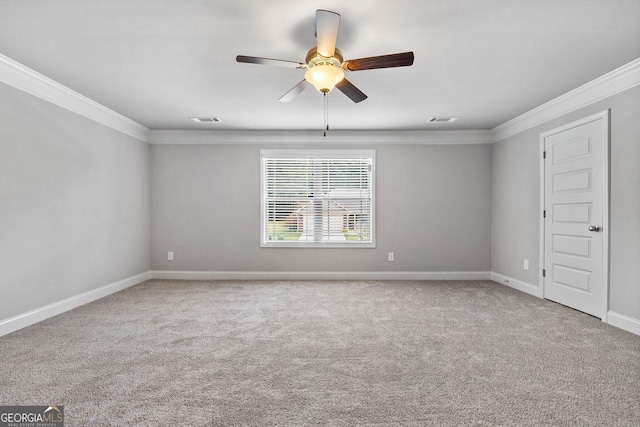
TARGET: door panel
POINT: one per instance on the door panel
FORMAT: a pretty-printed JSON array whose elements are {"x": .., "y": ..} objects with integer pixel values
[
  {"x": 574, "y": 198},
  {"x": 571, "y": 150},
  {"x": 572, "y": 181},
  {"x": 571, "y": 213},
  {"x": 572, "y": 245},
  {"x": 571, "y": 277}
]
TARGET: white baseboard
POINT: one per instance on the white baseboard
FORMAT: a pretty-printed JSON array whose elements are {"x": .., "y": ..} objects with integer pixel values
[
  {"x": 39, "y": 314},
  {"x": 621, "y": 321},
  {"x": 20, "y": 321},
  {"x": 519, "y": 285},
  {"x": 320, "y": 275}
]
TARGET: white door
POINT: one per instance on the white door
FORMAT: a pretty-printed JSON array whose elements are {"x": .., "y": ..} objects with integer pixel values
[{"x": 575, "y": 218}]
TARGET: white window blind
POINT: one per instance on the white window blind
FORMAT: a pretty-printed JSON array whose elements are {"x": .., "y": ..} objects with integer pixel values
[{"x": 318, "y": 198}]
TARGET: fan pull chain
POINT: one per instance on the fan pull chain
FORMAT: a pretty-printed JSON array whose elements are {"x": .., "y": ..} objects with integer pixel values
[{"x": 326, "y": 114}]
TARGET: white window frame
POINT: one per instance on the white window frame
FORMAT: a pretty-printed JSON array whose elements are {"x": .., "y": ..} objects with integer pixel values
[{"x": 316, "y": 154}]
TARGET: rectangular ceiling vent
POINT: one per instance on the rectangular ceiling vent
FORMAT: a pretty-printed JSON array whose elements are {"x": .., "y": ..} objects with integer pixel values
[
  {"x": 442, "y": 119},
  {"x": 205, "y": 119}
]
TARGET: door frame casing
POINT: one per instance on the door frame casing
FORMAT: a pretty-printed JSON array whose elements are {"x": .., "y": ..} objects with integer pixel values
[{"x": 603, "y": 115}]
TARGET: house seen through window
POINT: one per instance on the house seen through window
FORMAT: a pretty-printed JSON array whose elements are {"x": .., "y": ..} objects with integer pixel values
[{"x": 318, "y": 198}]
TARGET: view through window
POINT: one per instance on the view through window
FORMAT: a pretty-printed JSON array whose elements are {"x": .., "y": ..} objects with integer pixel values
[{"x": 318, "y": 198}]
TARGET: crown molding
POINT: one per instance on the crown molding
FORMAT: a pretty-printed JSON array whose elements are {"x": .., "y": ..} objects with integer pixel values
[
  {"x": 23, "y": 78},
  {"x": 614, "y": 82},
  {"x": 315, "y": 136}
]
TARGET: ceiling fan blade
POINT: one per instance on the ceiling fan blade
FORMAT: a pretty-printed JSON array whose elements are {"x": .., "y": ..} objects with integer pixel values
[
  {"x": 355, "y": 94},
  {"x": 404, "y": 59},
  {"x": 327, "y": 24},
  {"x": 269, "y": 61},
  {"x": 295, "y": 91}
]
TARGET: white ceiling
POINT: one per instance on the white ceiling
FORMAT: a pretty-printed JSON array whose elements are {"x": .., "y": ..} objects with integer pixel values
[{"x": 159, "y": 62}]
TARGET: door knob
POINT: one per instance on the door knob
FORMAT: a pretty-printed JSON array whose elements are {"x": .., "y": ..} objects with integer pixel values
[{"x": 595, "y": 228}]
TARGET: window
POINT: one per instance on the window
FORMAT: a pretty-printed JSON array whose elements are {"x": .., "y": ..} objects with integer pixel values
[{"x": 317, "y": 198}]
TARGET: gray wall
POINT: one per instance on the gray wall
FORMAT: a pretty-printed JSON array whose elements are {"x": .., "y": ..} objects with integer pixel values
[
  {"x": 80, "y": 202},
  {"x": 74, "y": 204},
  {"x": 433, "y": 211},
  {"x": 516, "y": 200}
]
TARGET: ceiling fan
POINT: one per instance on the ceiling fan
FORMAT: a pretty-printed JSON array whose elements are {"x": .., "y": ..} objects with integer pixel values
[{"x": 325, "y": 64}]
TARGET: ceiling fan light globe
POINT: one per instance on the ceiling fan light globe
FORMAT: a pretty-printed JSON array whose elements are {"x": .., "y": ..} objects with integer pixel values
[{"x": 324, "y": 77}]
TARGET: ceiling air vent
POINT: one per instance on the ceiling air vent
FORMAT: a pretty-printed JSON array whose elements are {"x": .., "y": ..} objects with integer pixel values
[
  {"x": 205, "y": 119},
  {"x": 442, "y": 119}
]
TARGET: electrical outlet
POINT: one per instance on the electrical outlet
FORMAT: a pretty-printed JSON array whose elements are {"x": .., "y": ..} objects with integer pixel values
[
  {"x": 391, "y": 257},
  {"x": 170, "y": 256},
  {"x": 526, "y": 264}
]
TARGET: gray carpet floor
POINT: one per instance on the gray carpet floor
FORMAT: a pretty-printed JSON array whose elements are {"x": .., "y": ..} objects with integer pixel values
[{"x": 358, "y": 353}]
